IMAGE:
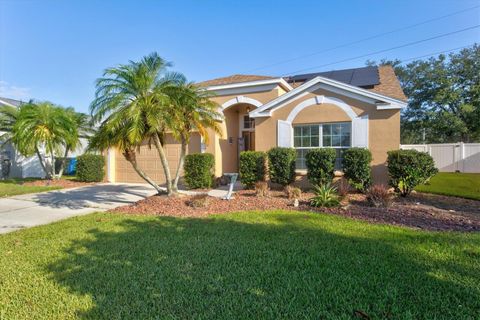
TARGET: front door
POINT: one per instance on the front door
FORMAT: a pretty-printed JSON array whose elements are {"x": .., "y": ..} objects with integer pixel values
[{"x": 248, "y": 140}]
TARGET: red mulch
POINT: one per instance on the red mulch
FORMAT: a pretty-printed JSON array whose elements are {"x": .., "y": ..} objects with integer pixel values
[
  {"x": 421, "y": 211},
  {"x": 65, "y": 184}
]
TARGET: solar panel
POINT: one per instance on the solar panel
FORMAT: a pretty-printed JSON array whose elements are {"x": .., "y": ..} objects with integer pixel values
[{"x": 360, "y": 77}]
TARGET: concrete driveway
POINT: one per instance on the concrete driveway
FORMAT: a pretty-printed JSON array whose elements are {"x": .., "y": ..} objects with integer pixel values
[{"x": 34, "y": 209}]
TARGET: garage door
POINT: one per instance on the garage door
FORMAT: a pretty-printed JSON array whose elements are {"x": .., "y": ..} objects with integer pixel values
[{"x": 149, "y": 161}]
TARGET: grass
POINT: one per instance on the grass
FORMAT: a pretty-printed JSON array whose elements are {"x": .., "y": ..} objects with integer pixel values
[
  {"x": 12, "y": 187},
  {"x": 464, "y": 185},
  {"x": 266, "y": 265}
]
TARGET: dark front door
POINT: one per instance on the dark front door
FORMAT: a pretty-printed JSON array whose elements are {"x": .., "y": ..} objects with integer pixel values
[{"x": 248, "y": 140}]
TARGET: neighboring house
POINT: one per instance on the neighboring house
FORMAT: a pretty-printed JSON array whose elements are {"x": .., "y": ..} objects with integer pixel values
[
  {"x": 338, "y": 109},
  {"x": 27, "y": 167},
  {"x": 20, "y": 167}
]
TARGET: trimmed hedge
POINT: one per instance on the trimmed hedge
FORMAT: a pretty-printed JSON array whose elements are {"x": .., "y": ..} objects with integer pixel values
[
  {"x": 409, "y": 168},
  {"x": 356, "y": 167},
  {"x": 281, "y": 165},
  {"x": 90, "y": 168},
  {"x": 252, "y": 167},
  {"x": 320, "y": 165},
  {"x": 198, "y": 170}
]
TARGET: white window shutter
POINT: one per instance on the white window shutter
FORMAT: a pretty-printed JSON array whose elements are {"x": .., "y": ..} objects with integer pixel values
[
  {"x": 360, "y": 132},
  {"x": 284, "y": 134}
]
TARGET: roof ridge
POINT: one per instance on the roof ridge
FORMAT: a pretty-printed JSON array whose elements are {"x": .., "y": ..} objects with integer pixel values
[{"x": 234, "y": 78}]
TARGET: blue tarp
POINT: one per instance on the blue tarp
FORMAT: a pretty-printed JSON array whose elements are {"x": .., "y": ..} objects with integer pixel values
[{"x": 71, "y": 167}]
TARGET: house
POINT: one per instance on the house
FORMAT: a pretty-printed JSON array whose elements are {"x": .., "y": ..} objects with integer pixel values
[
  {"x": 26, "y": 167},
  {"x": 338, "y": 109},
  {"x": 19, "y": 166}
]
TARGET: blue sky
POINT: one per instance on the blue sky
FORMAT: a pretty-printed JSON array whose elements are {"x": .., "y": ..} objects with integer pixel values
[{"x": 54, "y": 50}]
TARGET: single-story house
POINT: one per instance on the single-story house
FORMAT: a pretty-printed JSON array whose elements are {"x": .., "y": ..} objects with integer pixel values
[
  {"x": 27, "y": 167},
  {"x": 20, "y": 166},
  {"x": 338, "y": 109}
]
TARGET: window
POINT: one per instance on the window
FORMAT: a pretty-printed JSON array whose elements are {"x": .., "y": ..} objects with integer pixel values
[
  {"x": 248, "y": 123},
  {"x": 333, "y": 135}
]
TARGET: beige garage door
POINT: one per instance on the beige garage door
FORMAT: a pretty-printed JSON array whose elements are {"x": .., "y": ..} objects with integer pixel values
[{"x": 149, "y": 161}]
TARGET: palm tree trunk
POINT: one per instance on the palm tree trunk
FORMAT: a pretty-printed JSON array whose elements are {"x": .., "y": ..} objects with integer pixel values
[
  {"x": 52, "y": 165},
  {"x": 131, "y": 157},
  {"x": 166, "y": 167},
  {"x": 183, "y": 152},
  {"x": 64, "y": 162},
  {"x": 44, "y": 165}
]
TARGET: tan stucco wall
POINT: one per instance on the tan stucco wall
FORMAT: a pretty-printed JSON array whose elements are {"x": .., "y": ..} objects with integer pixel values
[
  {"x": 384, "y": 126},
  {"x": 226, "y": 154},
  {"x": 327, "y": 112},
  {"x": 263, "y": 97}
]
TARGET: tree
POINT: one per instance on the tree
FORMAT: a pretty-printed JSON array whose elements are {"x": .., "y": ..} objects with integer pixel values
[
  {"x": 84, "y": 129},
  {"x": 192, "y": 111},
  {"x": 33, "y": 126},
  {"x": 131, "y": 106},
  {"x": 443, "y": 97}
]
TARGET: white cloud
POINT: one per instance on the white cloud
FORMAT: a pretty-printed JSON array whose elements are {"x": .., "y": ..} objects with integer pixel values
[{"x": 10, "y": 91}]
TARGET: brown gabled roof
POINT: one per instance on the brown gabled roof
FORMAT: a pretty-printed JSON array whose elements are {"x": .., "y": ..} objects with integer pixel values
[
  {"x": 389, "y": 84},
  {"x": 236, "y": 78}
]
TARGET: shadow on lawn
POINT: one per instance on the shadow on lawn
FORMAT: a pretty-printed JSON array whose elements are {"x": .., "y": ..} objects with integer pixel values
[{"x": 221, "y": 268}]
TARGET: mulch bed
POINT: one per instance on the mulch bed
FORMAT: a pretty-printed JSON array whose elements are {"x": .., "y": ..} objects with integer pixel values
[
  {"x": 420, "y": 211},
  {"x": 65, "y": 184}
]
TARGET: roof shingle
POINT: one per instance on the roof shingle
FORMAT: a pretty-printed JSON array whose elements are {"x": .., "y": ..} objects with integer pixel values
[
  {"x": 236, "y": 78},
  {"x": 388, "y": 82}
]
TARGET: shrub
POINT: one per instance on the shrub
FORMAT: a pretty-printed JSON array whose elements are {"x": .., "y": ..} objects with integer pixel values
[
  {"x": 252, "y": 167},
  {"x": 281, "y": 165},
  {"x": 198, "y": 170},
  {"x": 409, "y": 168},
  {"x": 325, "y": 196},
  {"x": 378, "y": 196},
  {"x": 261, "y": 189},
  {"x": 199, "y": 201},
  {"x": 90, "y": 168},
  {"x": 293, "y": 193},
  {"x": 320, "y": 165},
  {"x": 356, "y": 167}
]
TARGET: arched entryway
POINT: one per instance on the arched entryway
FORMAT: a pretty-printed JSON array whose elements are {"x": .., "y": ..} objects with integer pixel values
[{"x": 239, "y": 130}]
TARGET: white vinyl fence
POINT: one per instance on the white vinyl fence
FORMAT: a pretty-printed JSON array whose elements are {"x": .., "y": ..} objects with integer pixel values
[{"x": 451, "y": 157}]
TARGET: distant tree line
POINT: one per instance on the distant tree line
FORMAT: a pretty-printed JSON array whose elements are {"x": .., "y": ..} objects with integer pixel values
[{"x": 443, "y": 97}]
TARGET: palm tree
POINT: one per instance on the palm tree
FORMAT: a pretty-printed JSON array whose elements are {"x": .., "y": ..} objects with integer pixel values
[
  {"x": 193, "y": 110},
  {"x": 132, "y": 107},
  {"x": 118, "y": 136},
  {"x": 8, "y": 116},
  {"x": 35, "y": 126},
  {"x": 84, "y": 129}
]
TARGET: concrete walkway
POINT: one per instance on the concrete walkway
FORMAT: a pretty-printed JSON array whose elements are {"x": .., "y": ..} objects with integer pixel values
[
  {"x": 35, "y": 209},
  {"x": 221, "y": 191}
]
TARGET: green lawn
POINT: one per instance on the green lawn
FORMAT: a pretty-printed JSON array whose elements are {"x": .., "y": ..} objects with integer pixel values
[
  {"x": 267, "y": 265},
  {"x": 14, "y": 187},
  {"x": 465, "y": 185}
]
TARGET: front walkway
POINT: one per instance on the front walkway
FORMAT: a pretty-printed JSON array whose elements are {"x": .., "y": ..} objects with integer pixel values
[
  {"x": 222, "y": 191},
  {"x": 30, "y": 210}
]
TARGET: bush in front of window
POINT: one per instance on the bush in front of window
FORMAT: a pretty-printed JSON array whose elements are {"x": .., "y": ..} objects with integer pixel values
[
  {"x": 252, "y": 167},
  {"x": 198, "y": 170},
  {"x": 409, "y": 168},
  {"x": 356, "y": 167},
  {"x": 90, "y": 168},
  {"x": 320, "y": 165},
  {"x": 281, "y": 165}
]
